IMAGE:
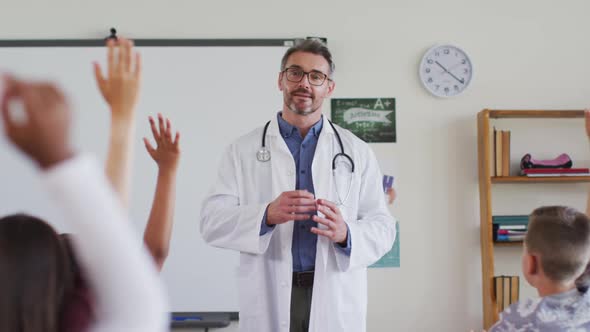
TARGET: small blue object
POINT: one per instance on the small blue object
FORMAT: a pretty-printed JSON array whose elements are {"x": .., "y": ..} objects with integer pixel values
[
  {"x": 387, "y": 182},
  {"x": 186, "y": 318}
]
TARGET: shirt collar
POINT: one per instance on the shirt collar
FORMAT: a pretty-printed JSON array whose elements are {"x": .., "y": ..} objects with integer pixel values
[{"x": 288, "y": 129}]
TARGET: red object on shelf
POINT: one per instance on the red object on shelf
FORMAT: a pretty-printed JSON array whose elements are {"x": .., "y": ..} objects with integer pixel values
[{"x": 555, "y": 170}]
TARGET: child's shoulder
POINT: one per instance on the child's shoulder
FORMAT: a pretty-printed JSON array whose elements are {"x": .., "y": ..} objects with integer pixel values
[
  {"x": 517, "y": 316},
  {"x": 546, "y": 313}
]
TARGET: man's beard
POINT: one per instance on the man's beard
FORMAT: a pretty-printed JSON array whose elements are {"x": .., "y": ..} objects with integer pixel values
[{"x": 306, "y": 111}]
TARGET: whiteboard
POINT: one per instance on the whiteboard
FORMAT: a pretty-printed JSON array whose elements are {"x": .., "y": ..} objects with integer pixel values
[{"x": 212, "y": 94}]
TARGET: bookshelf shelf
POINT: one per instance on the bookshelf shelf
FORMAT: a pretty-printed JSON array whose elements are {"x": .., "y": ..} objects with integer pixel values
[
  {"x": 486, "y": 168},
  {"x": 528, "y": 114},
  {"x": 546, "y": 179}
]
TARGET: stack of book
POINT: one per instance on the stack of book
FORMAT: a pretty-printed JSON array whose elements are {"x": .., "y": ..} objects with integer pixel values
[
  {"x": 540, "y": 172},
  {"x": 509, "y": 228},
  {"x": 506, "y": 289},
  {"x": 502, "y": 152}
]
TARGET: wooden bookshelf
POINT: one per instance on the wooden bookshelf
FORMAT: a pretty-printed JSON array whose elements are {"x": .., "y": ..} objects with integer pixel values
[{"x": 487, "y": 179}]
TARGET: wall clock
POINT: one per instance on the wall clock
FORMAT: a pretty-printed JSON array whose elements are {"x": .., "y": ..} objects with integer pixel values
[{"x": 446, "y": 70}]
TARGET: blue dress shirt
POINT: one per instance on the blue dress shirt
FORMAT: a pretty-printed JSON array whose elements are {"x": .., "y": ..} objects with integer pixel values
[{"x": 304, "y": 243}]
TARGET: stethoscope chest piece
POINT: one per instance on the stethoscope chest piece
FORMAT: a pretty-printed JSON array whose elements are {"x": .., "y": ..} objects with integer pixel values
[{"x": 263, "y": 154}]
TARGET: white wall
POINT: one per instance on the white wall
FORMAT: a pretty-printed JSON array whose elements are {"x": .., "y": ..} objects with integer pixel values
[{"x": 527, "y": 54}]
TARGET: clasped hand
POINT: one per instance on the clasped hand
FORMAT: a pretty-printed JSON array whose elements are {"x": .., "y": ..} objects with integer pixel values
[{"x": 299, "y": 205}]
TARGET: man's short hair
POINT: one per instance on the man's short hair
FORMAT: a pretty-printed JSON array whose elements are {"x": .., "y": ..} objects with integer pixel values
[
  {"x": 312, "y": 46},
  {"x": 560, "y": 236}
]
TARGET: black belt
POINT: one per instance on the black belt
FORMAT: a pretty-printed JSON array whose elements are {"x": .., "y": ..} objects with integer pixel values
[{"x": 303, "y": 279}]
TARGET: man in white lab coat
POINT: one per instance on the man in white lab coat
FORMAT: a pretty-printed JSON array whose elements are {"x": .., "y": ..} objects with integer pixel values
[{"x": 302, "y": 200}]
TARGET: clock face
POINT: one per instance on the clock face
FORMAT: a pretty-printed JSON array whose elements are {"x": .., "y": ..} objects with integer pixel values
[{"x": 446, "y": 70}]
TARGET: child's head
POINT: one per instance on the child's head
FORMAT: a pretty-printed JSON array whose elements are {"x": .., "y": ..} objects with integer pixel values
[
  {"x": 557, "y": 246},
  {"x": 34, "y": 274}
]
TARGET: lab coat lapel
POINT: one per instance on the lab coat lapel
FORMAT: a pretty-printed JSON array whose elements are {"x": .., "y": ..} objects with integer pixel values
[
  {"x": 283, "y": 179},
  {"x": 322, "y": 183}
]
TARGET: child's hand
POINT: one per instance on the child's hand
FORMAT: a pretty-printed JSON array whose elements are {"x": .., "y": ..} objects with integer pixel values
[
  {"x": 42, "y": 133},
  {"x": 167, "y": 151},
  {"x": 391, "y": 195},
  {"x": 120, "y": 87}
]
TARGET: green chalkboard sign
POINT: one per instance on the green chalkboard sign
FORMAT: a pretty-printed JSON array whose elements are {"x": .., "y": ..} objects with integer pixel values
[{"x": 371, "y": 119}]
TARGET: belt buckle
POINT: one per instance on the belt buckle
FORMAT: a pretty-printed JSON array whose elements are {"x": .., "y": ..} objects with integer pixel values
[{"x": 303, "y": 279}]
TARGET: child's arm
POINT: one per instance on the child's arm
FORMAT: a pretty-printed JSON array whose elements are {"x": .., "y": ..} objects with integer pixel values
[
  {"x": 166, "y": 154},
  {"x": 120, "y": 90}
]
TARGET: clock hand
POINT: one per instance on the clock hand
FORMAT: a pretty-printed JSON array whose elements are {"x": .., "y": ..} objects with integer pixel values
[
  {"x": 438, "y": 63},
  {"x": 448, "y": 72},
  {"x": 455, "y": 77}
]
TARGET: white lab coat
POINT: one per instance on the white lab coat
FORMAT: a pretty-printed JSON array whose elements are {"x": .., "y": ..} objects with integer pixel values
[{"x": 231, "y": 218}]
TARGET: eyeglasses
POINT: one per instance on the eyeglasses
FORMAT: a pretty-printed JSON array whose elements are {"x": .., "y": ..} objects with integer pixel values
[{"x": 295, "y": 75}]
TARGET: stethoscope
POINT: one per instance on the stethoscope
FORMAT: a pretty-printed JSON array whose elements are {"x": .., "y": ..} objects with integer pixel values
[{"x": 263, "y": 155}]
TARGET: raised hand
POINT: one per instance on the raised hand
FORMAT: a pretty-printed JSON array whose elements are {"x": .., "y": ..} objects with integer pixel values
[
  {"x": 167, "y": 150},
  {"x": 166, "y": 154},
  {"x": 336, "y": 231},
  {"x": 42, "y": 128},
  {"x": 120, "y": 89},
  {"x": 290, "y": 205},
  {"x": 120, "y": 86}
]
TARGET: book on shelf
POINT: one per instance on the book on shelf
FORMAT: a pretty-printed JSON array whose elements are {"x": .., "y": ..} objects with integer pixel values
[
  {"x": 510, "y": 238},
  {"x": 554, "y": 170},
  {"x": 510, "y": 232},
  {"x": 513, "y": 231},
  {"x": 517, "y": 222},
  {"x": 498, "y": 151},
  {"x": 514, "y": 289},
  {"x": 511, "y": 220},
  {"x": 499, "y": 293},
  {"x": 539, "y": 172},
  {"x": 501, "y": 152},
  {"x": 556, "y": 175},
  {"x": 511, "y": 216},
  {"x": 506, "y": 290},
  {"x": 505, "y": 153},
  {"x": 511, "y": 227}
]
